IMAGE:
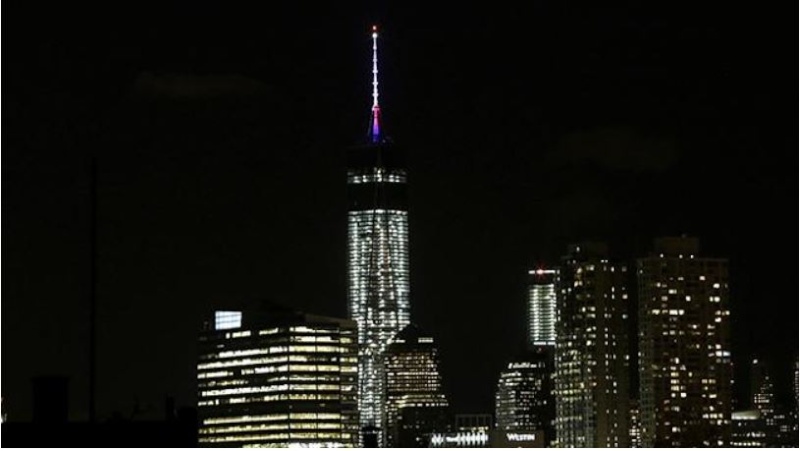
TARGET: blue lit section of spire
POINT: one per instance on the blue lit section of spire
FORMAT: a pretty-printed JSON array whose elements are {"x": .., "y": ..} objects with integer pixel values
[{"x": 375, "y": 117}]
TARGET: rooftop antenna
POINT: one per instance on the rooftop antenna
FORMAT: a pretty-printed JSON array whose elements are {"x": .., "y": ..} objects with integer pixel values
[{"x": 375, "y": 117}]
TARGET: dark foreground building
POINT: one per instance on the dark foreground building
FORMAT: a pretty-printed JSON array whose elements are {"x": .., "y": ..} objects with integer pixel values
[
  {"x": 180, "y": 432},
  {"x": 51, "y": 428}
]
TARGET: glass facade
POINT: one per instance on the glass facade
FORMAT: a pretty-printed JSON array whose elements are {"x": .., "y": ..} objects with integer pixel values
[
  {"x": 684, "y": 347},
  {"x": 591, "y": 351},
  {"x": 542, "y": 306},
  {"x": 278, "y": 383},
  {"x": 524, "y": 400}
]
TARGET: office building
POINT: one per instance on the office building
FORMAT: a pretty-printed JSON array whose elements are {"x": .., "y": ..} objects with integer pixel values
[
  {"x": 542, "y": 306},
  {"x": 524, "y": 402},
  {"x": 378, "y": 265},
  {"x": 684, "y": 347},
  {"x": 592, "y": 355},
  {"x": 273, "y": 377},
  {"x": 416, "y": 404}
]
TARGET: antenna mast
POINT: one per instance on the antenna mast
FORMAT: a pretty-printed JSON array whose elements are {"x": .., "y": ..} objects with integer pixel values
[{"x": 375, "y": 119}]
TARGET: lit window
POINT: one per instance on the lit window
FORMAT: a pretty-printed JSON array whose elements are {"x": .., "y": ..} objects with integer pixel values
[{"x": 227, "y": 320}]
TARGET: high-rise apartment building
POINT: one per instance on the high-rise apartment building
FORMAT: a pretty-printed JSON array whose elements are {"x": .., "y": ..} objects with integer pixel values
[
  {"x": 762, "y": 394},
  {"x": 273, "y": 377},
  {"x": 684, "y": 346},
  {"x": 378, "y": 262},
  {"x": 416, "y": 404},
  {"x": 592, "y": 354},
  {"x": 524, "y": 402},
  {"x": 542, "y": 306}
]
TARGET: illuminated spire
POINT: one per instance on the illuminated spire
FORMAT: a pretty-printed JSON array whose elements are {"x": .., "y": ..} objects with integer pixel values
[{"x": 375, "y": 117}]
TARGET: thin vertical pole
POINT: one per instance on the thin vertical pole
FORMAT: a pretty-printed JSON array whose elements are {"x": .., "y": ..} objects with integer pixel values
[{"x": 93, "y": 290}]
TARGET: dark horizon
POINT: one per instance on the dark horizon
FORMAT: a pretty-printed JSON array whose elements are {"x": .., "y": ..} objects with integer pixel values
[{"x": 220, "y": 136}]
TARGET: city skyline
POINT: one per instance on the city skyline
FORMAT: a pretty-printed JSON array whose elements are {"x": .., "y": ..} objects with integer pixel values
[{"x": 208, "y": 191}]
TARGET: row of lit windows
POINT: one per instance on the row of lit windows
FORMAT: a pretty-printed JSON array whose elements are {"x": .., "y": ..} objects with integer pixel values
[
  {"x": 277, "y": 350},
  {"x": 270, "y": 398},
  {"x": 377, "y": 177},
  {"x": 284, "y": 333},
  {"x": 290, "y": 426},
  {"x": 273, "y": 417},
  {"x": 304, "y": 444},
  {"x": 292, "y": 377},
  {"x": 268, "y": 360},
  {"x": 214, "y": 374},
  {"x": 270, "y": 388},
  {"x": 273, "y": 436}
]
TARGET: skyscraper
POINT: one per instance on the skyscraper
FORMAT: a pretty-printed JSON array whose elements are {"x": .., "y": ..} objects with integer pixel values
[
  {"x": 542, "y": 298},
  {"x": 762, "y": 394},
  {"x": 524, "y": 402},
  {"x": 273, "y": 377},
  {"x": 684, "y": 348},
  {"x": 542, "y": 306},
  {"x": 591, "y": 350},
  {"x": 378, "y": 269},
  {"x": 416, "y": 404}
]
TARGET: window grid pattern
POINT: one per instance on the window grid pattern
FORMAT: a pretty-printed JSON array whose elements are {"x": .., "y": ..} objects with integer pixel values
[
  {"x": 413, "y": 381},
  {"x": 592, "y": 356},
  {"x": 283, "y": 386},
  {"x": 542, "y": 307},
  {"x": 524, "y": 400},
  {"x": 378, "y": 271},
  {"x": 685, "y": 362}
]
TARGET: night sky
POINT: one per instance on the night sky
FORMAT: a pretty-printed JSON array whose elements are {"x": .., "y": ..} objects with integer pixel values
[{"x": 220, "y": 134}]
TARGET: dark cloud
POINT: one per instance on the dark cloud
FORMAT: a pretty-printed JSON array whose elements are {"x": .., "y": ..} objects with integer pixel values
[
  {"x": 616, "y": 148},
  {"x": 193, "y": 86}
]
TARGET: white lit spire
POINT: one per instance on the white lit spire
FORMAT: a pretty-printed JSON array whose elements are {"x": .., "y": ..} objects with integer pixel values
[{"x": 375, "y": 126}]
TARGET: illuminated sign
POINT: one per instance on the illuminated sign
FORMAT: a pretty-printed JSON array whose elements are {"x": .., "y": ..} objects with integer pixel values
[{"x": 512, "y": 437}]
